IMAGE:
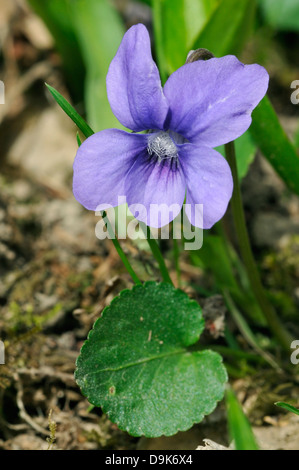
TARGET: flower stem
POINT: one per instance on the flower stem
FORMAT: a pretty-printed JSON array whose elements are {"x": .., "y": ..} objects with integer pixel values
[
  {"x": 119, "y": 249},
  {"x": 282, "y": 335},
  {"x": 157, "y": 255}
]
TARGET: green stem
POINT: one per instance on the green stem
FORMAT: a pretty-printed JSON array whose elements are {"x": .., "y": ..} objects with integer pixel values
[
  {"x": 282, "y": 335},
  {"x": 119, "y": 249},
  {"x": 157, "y": 254}
]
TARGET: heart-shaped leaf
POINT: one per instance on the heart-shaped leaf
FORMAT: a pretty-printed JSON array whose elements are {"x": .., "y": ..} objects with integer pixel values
[{"x": 138, "y": 366}]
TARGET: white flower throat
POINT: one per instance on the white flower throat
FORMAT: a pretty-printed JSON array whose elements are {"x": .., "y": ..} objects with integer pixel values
[{"x": 162, "y": 145}]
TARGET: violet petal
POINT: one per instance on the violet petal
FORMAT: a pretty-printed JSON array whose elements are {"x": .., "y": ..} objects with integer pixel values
[
  {"x": 133, "y": 83},
  {"x": 209, "y": 183},
  {"x": 101, "y": 165},
  {"x": 211, "y": 101},
  {"x": 155, "y": 192}
]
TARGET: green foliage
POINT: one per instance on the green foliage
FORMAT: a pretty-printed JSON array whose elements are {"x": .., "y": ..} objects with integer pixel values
[
  {"x": 56, "y": 15},
  {"x": 183, "y": 25},
  {"x": 138, "y": 366},
  {"x": 71, "y": 112},
  {"x": 87, "y": 34},
  {"x": 296, "y": 139},
  {"x": 99, "y": 31},
  {"x": 270, "y": 137},
  {"x": 140, "y": 362},
  {"x": 239, "y": 426},
  {"x": 281, "y": 14},
  {"x": 228, "y": 28},
  {"x": 215, "y": 257},
  {"x": 218, "y": 256},
  {"x": 245, "y": 151},
  {"x": 180, "y": 23},
  {"x": 287, "y": 407}
]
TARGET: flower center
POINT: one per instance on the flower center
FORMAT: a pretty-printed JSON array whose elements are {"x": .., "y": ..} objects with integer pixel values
[{"x": 162, "y": 146}]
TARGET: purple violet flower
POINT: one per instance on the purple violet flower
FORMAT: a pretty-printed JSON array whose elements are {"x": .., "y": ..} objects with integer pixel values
[{"x": 203, "y": 105}]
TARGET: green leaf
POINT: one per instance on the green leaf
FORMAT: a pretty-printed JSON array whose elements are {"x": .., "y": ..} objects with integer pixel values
[
  {"x": 158, "y": 25},
  {"x": 287, "y": 407},
  {"x": 239, "y": 426},
  {"x": 79, "y": 141},
  {"x": 214, "y": 256},
  {"x": 245, "y": 152},
  {"x": 296, "y": 139},
  {"x": 56, "y": 15},
  {"x": 137, "y": 365},
  {"x": 181, "y": 21},
  {"x": 99, "y": 31},
  {"x": 270, "y": 137},
  {"x": 219, "y": 257},
  {"x": 281, "y": 14},
  {"x": 71, "y": 112},
  {"x": 246, "y": 331},
  {"x": 228, "y": 28}
]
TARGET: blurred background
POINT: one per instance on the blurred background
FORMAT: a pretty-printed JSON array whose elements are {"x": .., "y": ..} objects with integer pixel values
[{"x": 56, "y": 277}]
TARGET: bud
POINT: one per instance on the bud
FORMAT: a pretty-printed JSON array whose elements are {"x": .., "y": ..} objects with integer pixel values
[{"x": 199, "y": 54}]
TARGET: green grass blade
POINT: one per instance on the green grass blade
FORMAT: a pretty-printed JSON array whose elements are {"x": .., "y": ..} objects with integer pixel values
[
  {"x": 79, "y": 141},
  {"x": 176, "y": 25},
  {"x": 217, "y": 256},
  {"x": 239, "y": 426},
  {"x": 159, "y": 42},
  {"x": 56, "y": 16},
  {"x": 99, "y": 30},
  {"x": 247, "y": 331},
  {"x": 287, "y": 407},
  {"x": 272, "y": 140},
  {"x": 282, "y": 15},
  {"x": 71, "y": 112},
  {"x": 235, "y": 18},
  {"x": 246, "y": 151}
]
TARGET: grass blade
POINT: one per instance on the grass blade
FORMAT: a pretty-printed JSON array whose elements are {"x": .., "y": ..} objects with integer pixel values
[
  {"x": 287, "y": 407},
  {"x": 272, "y": 140},
  {"x": 99, "y": 30},
  {"x": 56, "y": 16},
  {"x": 71, "y": 112},
  {"x": 239, "y": 426},
  {"x": 236, "y": 19}
]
